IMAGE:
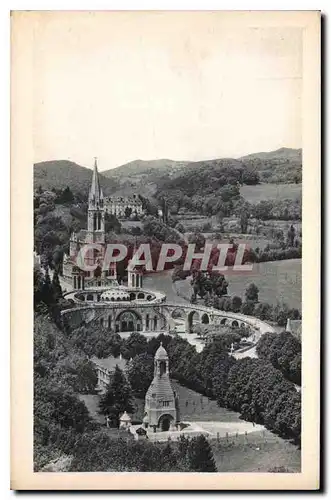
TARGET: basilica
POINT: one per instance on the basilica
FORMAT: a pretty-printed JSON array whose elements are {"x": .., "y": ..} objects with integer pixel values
[{"x": 95, "y": 233}]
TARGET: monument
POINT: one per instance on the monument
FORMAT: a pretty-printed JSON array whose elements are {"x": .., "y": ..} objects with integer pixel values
[{"x": 161, "y": 402}]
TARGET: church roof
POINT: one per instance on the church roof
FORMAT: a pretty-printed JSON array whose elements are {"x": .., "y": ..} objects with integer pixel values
[{"x": 161, "y": 353}]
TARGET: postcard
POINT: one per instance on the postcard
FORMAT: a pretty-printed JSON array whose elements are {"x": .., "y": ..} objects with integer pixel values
[{"x": 165, "y": 215}]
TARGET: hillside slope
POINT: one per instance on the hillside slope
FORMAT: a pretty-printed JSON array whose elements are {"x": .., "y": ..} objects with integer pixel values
[
  {"x": 140, "y": 167},
  {"x": 62, "y": 173},
  {"x": 283, "y": 165}
]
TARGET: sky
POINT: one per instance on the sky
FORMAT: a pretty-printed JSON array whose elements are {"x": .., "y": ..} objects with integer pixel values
[{"x": 185, "y": 86}]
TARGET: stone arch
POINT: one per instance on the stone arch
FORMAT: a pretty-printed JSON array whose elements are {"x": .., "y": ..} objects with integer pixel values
[
  {"x": 223, "y": 321},
  {"x": 235, "y": 323},
  {"x": 165, "y": 421},
  {"x": 205, "y": 319},
  {"x": 242, "y": 325},
  {"x": 149, "y": 297},
  {"x": 132, "y": 296},
  {"x": 128, "y": 321},
  {"x": 192, "y": 318},
  {"x": 178, "y": 313},
  {"x": 89, "y": 296},
  {"x": 140, "y": 295}
]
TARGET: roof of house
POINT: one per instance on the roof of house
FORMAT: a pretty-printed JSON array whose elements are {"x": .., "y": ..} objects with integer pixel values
[{"x": 110, "y": 363}]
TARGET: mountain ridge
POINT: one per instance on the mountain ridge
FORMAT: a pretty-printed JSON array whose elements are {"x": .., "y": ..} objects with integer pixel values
[{"x": 283, "y": 165}]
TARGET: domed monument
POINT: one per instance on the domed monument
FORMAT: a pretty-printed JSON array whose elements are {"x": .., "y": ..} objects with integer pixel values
[{"x": 161, "y": 402}]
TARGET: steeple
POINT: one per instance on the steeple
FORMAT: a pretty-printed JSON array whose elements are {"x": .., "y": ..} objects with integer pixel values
[
  {"x": 96, "y": 194},
  {"x": 96, "y": 212}
]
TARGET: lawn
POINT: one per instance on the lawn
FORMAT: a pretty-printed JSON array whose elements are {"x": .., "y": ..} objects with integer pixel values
[
  {"x": 278, "y": 281},
  {"x": 254, "y": 194}
]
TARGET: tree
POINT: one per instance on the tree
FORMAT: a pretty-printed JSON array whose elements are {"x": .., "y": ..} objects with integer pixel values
[
  {"x": 112, "y": 223},
  {"x": 134, "y": 345},
  {"x": 47, "y": 292},
  {"x": 252, "y": 293},
  {"x": 263, "y": 310},
  {"x": 248, "y": 308},
  {"x": 57, "y": 290},
  {"x": 118, "y": 397},
  {"x": 78, "y": 372},
  {"x": 198, "y": 239},
  {"x": 141, "y": 373},
  {"x": 127, "y": 212},
  {"x": 200, "y": 454},
  {"x": 236, "y": 303},
  {"x": 291, "y": 235}
]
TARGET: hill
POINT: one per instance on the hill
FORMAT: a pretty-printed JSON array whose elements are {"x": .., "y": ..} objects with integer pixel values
[
  {"x": 62, "y": 173},
  {"x": 141, "y": 167},
  {"x": 152, "y": 177},
  {"x": 281, "y": 166}
]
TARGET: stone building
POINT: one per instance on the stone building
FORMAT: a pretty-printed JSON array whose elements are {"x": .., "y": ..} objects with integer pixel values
[
  {"x": 161, "y": 402},
  {"x": 105, "y": 367},
  {"x": 95, "y": 233},
  {"x": 124, "y": 207}
]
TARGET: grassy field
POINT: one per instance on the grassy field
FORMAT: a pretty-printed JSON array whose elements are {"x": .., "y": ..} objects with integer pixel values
[
  {"x": 254, "y": 194},
  {"x": 278, "y": 281},
  {"x": 258, "y": 452}
]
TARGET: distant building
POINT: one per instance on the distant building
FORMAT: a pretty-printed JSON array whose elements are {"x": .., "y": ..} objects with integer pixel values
[
  {"x": 124, "y": 207},
  {"x": 294, "y": 326},
  {"x": 161, "y": 402},
  {"x": 105, "y": 367}
]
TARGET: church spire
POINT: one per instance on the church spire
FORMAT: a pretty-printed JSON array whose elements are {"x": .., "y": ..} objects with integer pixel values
[{"x": 96, "y": 194}]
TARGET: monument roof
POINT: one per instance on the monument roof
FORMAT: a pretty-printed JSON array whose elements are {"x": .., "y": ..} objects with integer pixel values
[
  {"x": 125, "y": 417},
  {"x": 161, "y": 353},
  {"x": 160, "y": 388}
]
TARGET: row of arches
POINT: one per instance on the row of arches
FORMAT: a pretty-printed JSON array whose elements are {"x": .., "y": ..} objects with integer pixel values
[
  {"x": 194, "y": 317},
  {"x": 96, "y": 297},
  {"x": 131, "y": 321}
]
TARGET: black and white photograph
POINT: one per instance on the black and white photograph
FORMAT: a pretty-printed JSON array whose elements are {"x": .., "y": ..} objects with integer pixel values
[{"x": 168, "y": 235}]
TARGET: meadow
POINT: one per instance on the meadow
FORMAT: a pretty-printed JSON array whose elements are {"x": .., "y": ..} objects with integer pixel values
[
  {"x": 278, "y": 281},
  {"x": 254, "y": 194}
]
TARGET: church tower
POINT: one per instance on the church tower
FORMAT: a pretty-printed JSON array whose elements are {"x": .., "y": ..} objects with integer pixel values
[
  {"x": 96, "y": 211},
  {"x": 135, "y": 275},
  {"x": 161, "y": 405}
]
